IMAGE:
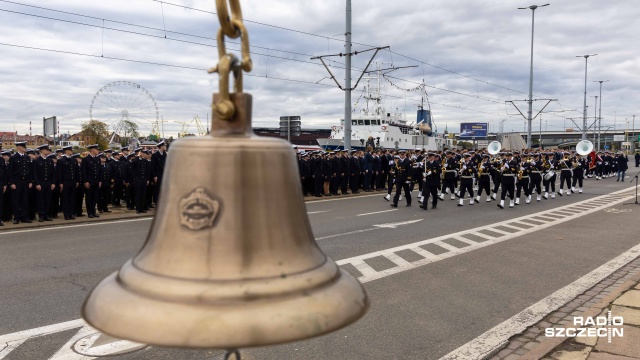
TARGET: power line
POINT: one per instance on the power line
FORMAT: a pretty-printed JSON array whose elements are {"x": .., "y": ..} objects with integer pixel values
[
  {"x": 334, "y": 39},
  {"x": 203, "y": 69},
  {"x": 147, "y": 62},
  {"x": 212, "y": 46}
]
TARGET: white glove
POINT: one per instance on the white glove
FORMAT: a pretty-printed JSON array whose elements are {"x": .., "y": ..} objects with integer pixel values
[
  {"x": 429, "y": 173},
  {"x": 408, "y": 182},
  {"x": 464, "y": 167},
  {"x": 446, "y": 165},
  {"x": 426, "y": 174}
]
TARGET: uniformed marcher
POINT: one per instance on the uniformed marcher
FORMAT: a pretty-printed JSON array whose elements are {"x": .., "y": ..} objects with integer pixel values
[
  {"x": 535, "y": 179},
  {"x": 344, "y": 172},
  {"x": 20, "y": 179},
  {"x": 5, "y": 203},
  {"x": 582, "y": 165},
  {"x": 403, "y": 179},
  {"x": 523, "y": 176},
  {"x": 92, "y": 179},
  {"x": 32, "y": 207},
  {"x": 467, "y": 174},
  {"x": 354, "y": 172},
  {"x": 566, "y": 166},
  {"x": 484, "y": 178},
  {"x": 79, "y": 194},
  {"x": 45, "y": 182},
  {"x": 450, "y": 174},
  {"x": 158, "y": 161},
  {"x": 508, "y": 170},
  {"x": 431, "y": 176}
]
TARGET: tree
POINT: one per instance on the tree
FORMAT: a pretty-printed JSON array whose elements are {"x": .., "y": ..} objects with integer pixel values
[
  {"x": 96, "y": 133},
  {"x": 129, "y": 129}
]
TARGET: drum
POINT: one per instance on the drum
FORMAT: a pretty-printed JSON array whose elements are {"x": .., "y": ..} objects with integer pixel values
[{"x": 549, "y": 175}]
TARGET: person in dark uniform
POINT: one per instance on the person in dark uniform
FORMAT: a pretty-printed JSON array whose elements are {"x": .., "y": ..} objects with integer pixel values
[
  {"x": 20, "y": 179},
  {"x": 128, "y": 182},
  {"x": 403, "y": 179},
  {"x": 303, "y": 171},
  {"x": 467, "y": 174},
  {"x": 523, "y": 179},
  {"x": 344, "y": 172},
  {"x": 327, "y": 173},
  {"x": 91, "y": 179},
  {"x": 392, "y": 175},
  {"x": 106, "y": 179},
  {"x": 535, "y": 179},
  {"x": 368, "y": 169},
  {"x": 68, "y": 181},
  {"x": 141, "y": 176},
  {"x": 336, "y": 171},
  {"x": 637, "y": 157},
  {"x": 484, "y": 178},
  {"x": 151, "y": 188},
  {"x": 566, "y": 166},
  {"x": 158, "y": 161},
  {"x": 449, "y": 183},
  {"x": 117, "y": 172},
  {"x": 125, "y": 154},
  {"x": 45, "y": 182},
  {"x": 354, "y": 172},
  {"x": 54, "y": 209},
  {"x": 6, "y": 204},
  {"x": 33, "y": 204},
  {"x": 3, "y": 184},
  {"x": 318, "y": 181},
  {"x": 433, "y": 171},
  {"x": 509, "y": 170},
  {"x": 79, "y": 194},
  {"x": 582, "y": 165},
  {"x": 622, "y": 165}
]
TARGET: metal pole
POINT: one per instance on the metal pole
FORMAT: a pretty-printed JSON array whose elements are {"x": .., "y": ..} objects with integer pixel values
[
  {"x": 347, "y": 81},
  {"x": 530, "y": 111},
  {"x": 600, "y": 116},
  {"x": 540, "y": 142},
  {"x": 584, "y": 116},
  {"x": 289, "y": 128},
  {"x": 633, "y": 137},
  {"x": 595, "y": 116}
]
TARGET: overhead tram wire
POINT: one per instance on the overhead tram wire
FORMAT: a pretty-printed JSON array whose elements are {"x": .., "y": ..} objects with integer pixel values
[
  {"x": 203, "y": 69},
  {"x": 148, "y": 62},
  {"x": 340, "y": 40},
  {"x": 208, "y": 45}
]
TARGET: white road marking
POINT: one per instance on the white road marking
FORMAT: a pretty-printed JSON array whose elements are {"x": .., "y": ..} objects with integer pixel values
[
  {"x": 395, "y": 225},
  {"x": 66, "y": 352},
  {"x": 318, "y": 212},
  {"x": 378, "y": 212},
  {"x": 499, "y": 335}
]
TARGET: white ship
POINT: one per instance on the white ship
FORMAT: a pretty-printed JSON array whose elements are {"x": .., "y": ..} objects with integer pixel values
[{"x": 388, "y": 130}]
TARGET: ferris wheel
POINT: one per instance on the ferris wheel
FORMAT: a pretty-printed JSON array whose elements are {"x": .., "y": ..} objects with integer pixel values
[{"x": 122, "y": 101}]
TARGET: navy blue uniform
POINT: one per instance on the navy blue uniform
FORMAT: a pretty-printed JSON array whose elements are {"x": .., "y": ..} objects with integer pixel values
[
  {"x": 68, "y": 181},
  {"x": 44, "y": 177},
  {"x": 20, "y": 175},
  {"x": 91, "y": 176}
]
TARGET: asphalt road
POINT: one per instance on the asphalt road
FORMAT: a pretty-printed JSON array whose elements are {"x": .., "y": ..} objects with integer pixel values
[{"x": 422, "y": 313}]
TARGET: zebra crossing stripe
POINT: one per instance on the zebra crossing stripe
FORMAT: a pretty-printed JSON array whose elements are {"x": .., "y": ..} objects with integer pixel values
[{"x": 367, "y": 273}]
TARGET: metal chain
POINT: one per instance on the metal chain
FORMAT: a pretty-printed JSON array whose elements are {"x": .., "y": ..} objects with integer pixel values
[{"x": 231, "y": 27}]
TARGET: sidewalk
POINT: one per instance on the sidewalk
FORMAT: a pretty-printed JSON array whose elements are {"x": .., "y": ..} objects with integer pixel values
[
  {"x": 620, "y": 293},
  {"x": 124, "y": 214}
]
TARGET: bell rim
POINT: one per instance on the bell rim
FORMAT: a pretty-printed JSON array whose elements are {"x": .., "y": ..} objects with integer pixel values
[{"x": 122, "y": 315}]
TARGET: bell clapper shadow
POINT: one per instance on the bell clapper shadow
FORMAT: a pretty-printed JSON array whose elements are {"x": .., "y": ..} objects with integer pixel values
[{"x": 230, "y": 260}]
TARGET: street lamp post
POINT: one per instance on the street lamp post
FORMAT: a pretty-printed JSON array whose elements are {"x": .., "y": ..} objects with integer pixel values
[
  {"x": 600, "y": 112},
  {"x": 530, "y": 111},
  {"x": 584, "y": 115}
]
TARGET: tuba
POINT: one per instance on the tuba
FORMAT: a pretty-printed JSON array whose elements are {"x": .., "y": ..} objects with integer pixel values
[{"x": 494, "y": 147}]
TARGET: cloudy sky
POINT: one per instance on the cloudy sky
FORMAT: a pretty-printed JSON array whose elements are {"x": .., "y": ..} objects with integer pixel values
[{"x": 473, "y": 56}]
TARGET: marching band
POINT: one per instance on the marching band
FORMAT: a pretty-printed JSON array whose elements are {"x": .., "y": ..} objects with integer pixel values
[{"x": 463, "y": 175}]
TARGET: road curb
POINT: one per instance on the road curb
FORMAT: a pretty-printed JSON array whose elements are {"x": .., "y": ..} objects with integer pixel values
[{"x": 550, "y": 344}]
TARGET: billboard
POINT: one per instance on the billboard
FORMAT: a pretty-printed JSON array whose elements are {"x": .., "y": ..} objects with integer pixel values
[
  {"x": 618, "y": 138},
  {"x": 473, "y": 131}
]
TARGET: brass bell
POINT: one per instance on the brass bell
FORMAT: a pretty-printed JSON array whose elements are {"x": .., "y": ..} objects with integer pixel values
[{"x": 230, "y": 260}]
